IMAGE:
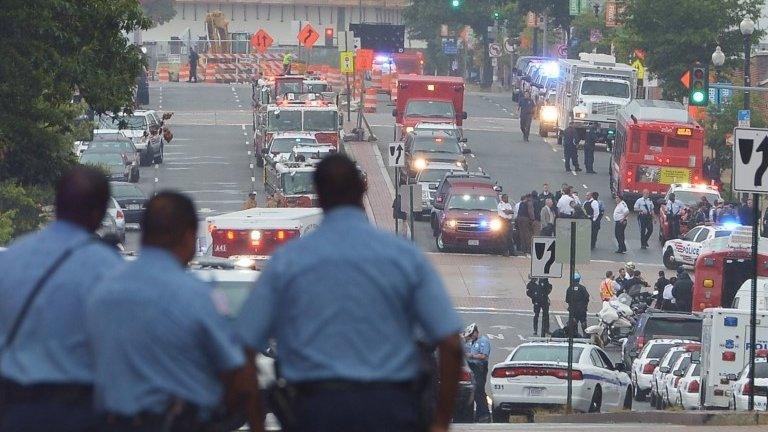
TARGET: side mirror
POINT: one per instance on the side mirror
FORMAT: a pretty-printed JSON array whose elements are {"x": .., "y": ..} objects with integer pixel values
[
  {"x": 677, "y": 373},
  {"x": 619, "y": 367},
  {"x": 466, "y": 150},
  {"x": 463, "y": 140},
  {"x": 664, "y": 369},
  {"x": 394, "y": 113},
  {"x": 654, "y": 362},
  {"x": 464, "y": 115}
]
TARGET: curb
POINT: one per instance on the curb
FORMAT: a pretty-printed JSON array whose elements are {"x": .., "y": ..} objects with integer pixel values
[{"x": 660, "y": 417}]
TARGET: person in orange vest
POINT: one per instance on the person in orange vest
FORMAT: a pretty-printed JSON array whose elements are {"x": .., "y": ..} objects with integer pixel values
[{"x": 608, "y": 286}]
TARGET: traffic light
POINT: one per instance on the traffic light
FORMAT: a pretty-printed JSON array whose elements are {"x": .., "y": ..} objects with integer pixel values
[
  {"x": 329, "y": 36},
  {"x": 699, "y": 91},
  {"x": 496, "y": 15},
  {"x": 455, "y": 3}
]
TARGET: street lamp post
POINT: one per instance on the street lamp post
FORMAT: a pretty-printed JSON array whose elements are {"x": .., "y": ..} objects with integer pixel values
[
  {"x": 718, "y": 59},
  {"x": 747, "y": 27}
]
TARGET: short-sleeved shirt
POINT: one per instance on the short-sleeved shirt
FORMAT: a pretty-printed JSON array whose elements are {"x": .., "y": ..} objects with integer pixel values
[
  {"x": 644, "y": 205},
  {"x": 674, "y": 207},
  {"x": 157, "y": 336},
  {"x": 480, "y": 346},
  {"x": 51, "y": 345},
  {"x": 564, "y": 205},
  {"x": 344, "y": 302},
  {"x": 505, "y": 206}
]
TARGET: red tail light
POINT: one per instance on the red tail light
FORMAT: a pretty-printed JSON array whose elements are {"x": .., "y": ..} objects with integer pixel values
[
  {"x": 120, "y": 215},
  {"x": 729, "y": 356},
  {"x": 227, "y": 243},
  {"x": 693, "y": 386},
  {"x": 649, "y": 368},
  {"x": 746, "y": 389},
  {"x": 465, "y": 376},
  {"x": 640, "y": 342},
  {"x": 512, "y": 372}
]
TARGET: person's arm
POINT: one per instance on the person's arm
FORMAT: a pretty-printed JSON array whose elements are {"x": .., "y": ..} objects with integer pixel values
[
  {"x": 241, "y": 392},
  {"x": 449, "y": 366}
]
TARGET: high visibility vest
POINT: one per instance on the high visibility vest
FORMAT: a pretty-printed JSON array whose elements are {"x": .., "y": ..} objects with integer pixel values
[
  {"x": 606, "y": 289},
  {"x": 287, "y": 59}
]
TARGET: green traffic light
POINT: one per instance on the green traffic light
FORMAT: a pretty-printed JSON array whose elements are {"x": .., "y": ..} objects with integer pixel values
[
  {"x": 496, "y": 15},
  {"x": 455, "y": 3},
  {"x": 697, "y": 97}
]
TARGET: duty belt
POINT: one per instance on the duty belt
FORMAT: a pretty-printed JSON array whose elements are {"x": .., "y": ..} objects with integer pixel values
[{"x": 63, "y": 393}]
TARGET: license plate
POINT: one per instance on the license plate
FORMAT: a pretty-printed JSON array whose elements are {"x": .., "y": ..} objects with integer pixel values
[
  {"x": 134, "y": 206},
  {"x": 473, "y": 242},
  {"x": 535, "y": 391}
]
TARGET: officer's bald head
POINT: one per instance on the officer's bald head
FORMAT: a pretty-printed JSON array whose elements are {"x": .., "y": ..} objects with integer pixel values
[
  {"x": 338, "y": 182},
  {"x": 81, "y": 197},
  {"x": 170, "y": 223}
]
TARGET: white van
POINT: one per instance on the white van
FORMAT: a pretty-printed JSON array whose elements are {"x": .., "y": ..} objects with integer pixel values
[{"x": 743, "y": 298}]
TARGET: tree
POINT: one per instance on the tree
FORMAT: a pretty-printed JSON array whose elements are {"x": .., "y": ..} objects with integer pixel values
[
  {"x": 720, "y": 125},
  {"x": 50, "y": 49},
  {"x": 707, "y": 23},
  {"x": 159, "y": 11}
]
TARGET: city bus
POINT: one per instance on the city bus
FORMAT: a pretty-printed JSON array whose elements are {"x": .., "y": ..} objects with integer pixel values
[
  {"x": 723, "y": 265},
  {"x": 657, "y": 144}
]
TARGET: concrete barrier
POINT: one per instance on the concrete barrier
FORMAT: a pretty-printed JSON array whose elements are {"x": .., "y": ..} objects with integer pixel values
[{"x": 691, "y": 418}]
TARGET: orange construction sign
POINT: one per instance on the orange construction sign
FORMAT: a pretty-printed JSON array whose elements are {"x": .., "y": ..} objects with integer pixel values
[
  {"x": 686, "y": 79},
  {"x": 308, "y": 36},
  {"x": 364, "y": 60},
  {"x": 261, "y": 41}
]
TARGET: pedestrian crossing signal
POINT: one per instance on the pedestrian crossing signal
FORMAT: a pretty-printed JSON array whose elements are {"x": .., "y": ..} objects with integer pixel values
[{"x": 699, "y": 90}]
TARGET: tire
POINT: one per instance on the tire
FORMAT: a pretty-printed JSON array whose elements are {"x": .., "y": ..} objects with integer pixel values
[
  {"x": 439, "y": 243},
  {"x": 638, "y": 394},
  {"x": 669, "y": 259},
  {"x": 543, "y": 132},
  {"x": 628, "y": 399},
  {"x": 499, "y": 416},
  {"x": 596, "y": 404}
]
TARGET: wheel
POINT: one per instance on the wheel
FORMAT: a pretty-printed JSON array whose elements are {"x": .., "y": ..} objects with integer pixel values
[
  {"x": 638, "y": 394},
  {"x": 499, "y": 416},
  {"x": 597, "y": 400},
  {"x": 628, "y": 399},
  {"x": 439, "y": 243},
  {"x": 652, "y": 398},
  {"x": 543, "y": 132},
  {"x": 669, "y": 259}
]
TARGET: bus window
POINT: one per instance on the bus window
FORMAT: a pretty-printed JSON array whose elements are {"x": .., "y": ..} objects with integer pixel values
[
  {"x": 635, "y": 142},
  {"x": 655, "y": 140},
  {"x": 677, "y": 142}
]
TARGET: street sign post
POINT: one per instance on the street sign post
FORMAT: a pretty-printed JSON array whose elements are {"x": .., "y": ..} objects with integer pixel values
[
  {"x": 494, "y": 50},
  {"x": 347, "y": 62},
  {"x": 509, "y": 45},
  {"x": 744, "y": 119},
  {"x": 261, "y": 41},
  {"x": 562, "y": 51},
  {"x": 364, "y": 60},
  {"x": 308, "y": 36},
  {"x": 450, "y": 47},
  {"x": 396, "y": 155},
  {"x": 543, "y": 264},
  {"x": 563, "y": 228}
]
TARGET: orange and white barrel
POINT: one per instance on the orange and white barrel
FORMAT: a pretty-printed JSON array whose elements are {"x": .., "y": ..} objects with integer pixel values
[
  {"x": 184, "y": 73},
  {"x": 393, "y": 90},
  {"x": 163, "y": 75},
  {"x": 210, "y": 72},
  {"x": 370, "y": 99}
]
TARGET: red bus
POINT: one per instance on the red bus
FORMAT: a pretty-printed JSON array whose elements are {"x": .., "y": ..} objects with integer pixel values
[
  {"x": 723, "y": 265},
  {"x": 657, "y": 144}
]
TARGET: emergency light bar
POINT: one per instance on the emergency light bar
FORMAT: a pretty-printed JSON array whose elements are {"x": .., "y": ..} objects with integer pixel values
[{"x": 684, "y": 132}]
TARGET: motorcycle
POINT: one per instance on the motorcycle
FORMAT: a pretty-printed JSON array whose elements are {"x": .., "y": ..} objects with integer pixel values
[{"x": 616, "y": 322}]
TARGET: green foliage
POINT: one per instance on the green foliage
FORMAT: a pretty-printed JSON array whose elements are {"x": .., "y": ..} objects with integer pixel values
[
  {"x": 51, "y": 48},
  {"x": 684, "y": 31},
  {"x": 557, "y": 10},
  {"x": 20, "y": 209},
  {"x": 721, "y": 125},
  {"x": 582, "y": 25},
  {"x": 159, "y": 11}
]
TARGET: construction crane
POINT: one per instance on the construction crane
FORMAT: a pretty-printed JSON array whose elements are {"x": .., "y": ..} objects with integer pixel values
[{"x": 216, "y": 24}]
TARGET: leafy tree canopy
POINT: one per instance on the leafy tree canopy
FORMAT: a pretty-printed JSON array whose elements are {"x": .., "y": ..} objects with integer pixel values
[{"x": 159, "y": 11}]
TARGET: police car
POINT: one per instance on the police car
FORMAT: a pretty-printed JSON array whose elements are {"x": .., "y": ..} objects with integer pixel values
[
  {"x": 672, "y": 379},
  {"x": 688, "y": 396},
  {"x": 666, "y": 363},
  {"x": 646, "y": 362},
  {"x": 448, "y": 129},
  {"x": 535, "y": 375},
  {"x": 690, "y": 194},
  {"x": 685, "y": 250},
  {"x": 741, "y": 388}
]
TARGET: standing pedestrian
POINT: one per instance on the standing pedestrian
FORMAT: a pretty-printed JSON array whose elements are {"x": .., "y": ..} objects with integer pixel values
[
  {"x": 589, "y": 147},
  {"x": 674, "y": 208},
  {"x": 644, "y": 208},
  {"x": 525, "y": 218},
  {"x": 667, "y": 299},
  {"x": 621, "y": 277},
  {"x": 608, "y": 287},
  {"x": 537, "y": 203},
  {"x": 46, "y": 370},
  {"x": 352, "y": 359},
  {"x": 194, "y": 58},
  {"x": 661, "y": 282},
  {"x": 570, "y": 147},
  {"x": 682, "y": 291},
  {"x": 593, "y": 209},
  {"x": 559, "y": 194},
  {"x": 504, "y": 209},
  {"x": 250, "y": 202},
  {"x": 526, "y": 106},
  {"x": 577, "y": 299},
  {"x": 287, "y": 62},
  {"x": 181, "y": 359},
  {"x": 745, "y": 213},
  {"x": 478, "y": 349},
  {"x": 538, "y": 290},
  {"x": 564, "y": 207},
  {"x": 546, "y": 193},
  {"x": 547, "y": 217},
  {"x": 620, "y": 215}
]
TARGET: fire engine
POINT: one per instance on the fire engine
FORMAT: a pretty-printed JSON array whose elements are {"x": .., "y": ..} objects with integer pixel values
[
  {"x": 437, "y": 99},
  {"x": 290, "y": 184}
]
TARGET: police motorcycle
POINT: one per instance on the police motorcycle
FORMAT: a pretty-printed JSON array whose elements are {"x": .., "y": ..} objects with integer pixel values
[{"x": 616, "y": 322}]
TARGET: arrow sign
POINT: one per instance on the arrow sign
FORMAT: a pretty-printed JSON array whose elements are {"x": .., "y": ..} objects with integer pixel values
[
  {"x": 308, "y": 36},
  {"x": 543, "y": 263},
  {"x": 396, "y": 158},
  {"x": 261, "y": 41},
  {"x": 750, "y": 161}
]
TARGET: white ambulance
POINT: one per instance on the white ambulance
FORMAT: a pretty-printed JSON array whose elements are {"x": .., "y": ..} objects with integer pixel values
[{"x": 725, "y": 351}]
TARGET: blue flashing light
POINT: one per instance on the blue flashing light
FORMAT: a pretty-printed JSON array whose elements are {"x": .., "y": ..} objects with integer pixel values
[
  {"x": 483, "y": 223},
  {"x": 730, "y": 321},
  {"x": 730, "y": 225},
  {"x": 550, "y": 70},
  {"x": 729, "y": 343}
]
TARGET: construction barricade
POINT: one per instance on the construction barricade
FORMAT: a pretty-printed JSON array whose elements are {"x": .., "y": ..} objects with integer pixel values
[
  {"x": 370, "y": 99},
  {"x": 184, "y": 73},
  {"x": 163, "y": 75}
]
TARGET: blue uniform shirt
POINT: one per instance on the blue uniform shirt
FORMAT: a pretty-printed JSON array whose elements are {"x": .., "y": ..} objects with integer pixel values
[
  {"x": 156, "y": 334},
  {"x": 481, "y": 346},
  {"x": 344, "y": 302},
  {"x": 51, "y": 346}
]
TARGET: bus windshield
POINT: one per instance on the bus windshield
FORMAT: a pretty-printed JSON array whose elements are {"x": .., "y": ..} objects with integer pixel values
[
  {"x": 605, "y": 88},
  {"x": 284, "y": 121}
]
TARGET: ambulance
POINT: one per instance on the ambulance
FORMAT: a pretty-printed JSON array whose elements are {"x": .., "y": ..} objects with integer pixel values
[{"x": 725, "y": 351}]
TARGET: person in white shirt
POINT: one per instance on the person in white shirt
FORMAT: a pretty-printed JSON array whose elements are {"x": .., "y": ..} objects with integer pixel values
[
  {"x": 674, "y": 208},
  {"x": 507, "y": 215},
  {"x": 564, "y": 204},
  {"x": 594, "y": 214},
  {"x": 668, "y": 303},
  {"x": 620, "y": 214},
  {"x": 644, "y": 208}
]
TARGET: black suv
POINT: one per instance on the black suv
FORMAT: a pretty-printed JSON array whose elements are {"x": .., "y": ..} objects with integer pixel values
[{"x": 656, "y": 324}]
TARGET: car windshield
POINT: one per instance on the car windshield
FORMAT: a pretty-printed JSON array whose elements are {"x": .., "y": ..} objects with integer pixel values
[
  {"x": 326, "y": 120},
  {"x": 428, "y": 108},
  {"x": 286, "y": 145},
  {"x": 659, "y": 327},
  {"x": 317, "y": 87},
  {"x": 120, "y": 190},
  {"x": 438, "y": 132},
  {"x": 658, "y": 350},
  {"x": 119, "y": 146},
  {"x": 550, "y": 353},
  {"x": 299, "y": 182},
  {"x": 672, "y": 358},
  {"x": 432, "y": 175},
  {"x": 692, "y": 198},
  {"x": 123, "y": 122},
  {"x": 473, "y": 202},
  {"x": 284, "y": 121},
  {"x": 605, "y": 88},
  {"x": 101, "y": 159},
  {"x": 436, "y": 144},
  {"x": 289, "y": 87}
]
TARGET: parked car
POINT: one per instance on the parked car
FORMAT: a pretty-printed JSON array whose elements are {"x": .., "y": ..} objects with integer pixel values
[
  {"x": 429, "y": 178},
  {"x": 131, "y": 198},
  {"x": 656, "y": 324},
  {"x": 114, "y": 164},
  {"x": 741, "y": 388},
  {"x": 144, "y": 127},
  {"x": 646, "y": 362},
  {"x": 117, "y": 143},
  {"x": 429, "y": 146},
  {"x": 665, "y": 367},
  {"x": 470, "y": 220},
  {"x": 466, "y": 179},
  {"x": 688, "y": 396},
  {"x": 672, "y": 379},
  {"x": 686, "y": 249}
]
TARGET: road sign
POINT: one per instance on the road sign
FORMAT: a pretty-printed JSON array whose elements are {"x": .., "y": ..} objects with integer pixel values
[
  {"x": 509, "y": 45},
  {"x": 595, "y": 35},
  {"x": 562, "y": 51},
  {"x": 308, "y": 36},
  {"x": 261, "y": 41},
  {"x": 610, "y": 14},
  {"x": 744, "y": 118},
  {"x": 396, "y": 155},
  {"x": 750, "y": 159},
  {"x": 347, "y": 62},
  {"x": 574, "y": 7},
  {"x": 685, "y": 78},
  {"x": 543, "y": 264},
  {"x": 347, "y": 41},
  {"x": 364, "y": 60},
  {"x": 639, "y": 67},
  {"x": 583, "y": 240},
  {"x": 494, "y": 50},
  {"x": 450, "y": 47}
]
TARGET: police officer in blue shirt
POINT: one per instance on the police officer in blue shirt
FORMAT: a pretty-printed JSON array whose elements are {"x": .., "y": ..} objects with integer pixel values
[
  {"x": 165, "y": 359},
  {"x": 45, "y": 363},
  {"x": 478, "y": 350},
  {"x": 343, "y": 304}
]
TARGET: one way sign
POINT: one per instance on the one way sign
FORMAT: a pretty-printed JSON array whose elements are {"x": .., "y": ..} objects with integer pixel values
[
  {"x": 543, "y": 263},
  {"x": 396, "y": 154},
  {"x": 750, "y": 160}
]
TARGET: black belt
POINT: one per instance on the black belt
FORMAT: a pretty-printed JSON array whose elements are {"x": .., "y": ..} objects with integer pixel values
[
  {"x": 310, "y": 387},
  {"x": 65, "y": 393},
  {"x": 142, "y": 419}
]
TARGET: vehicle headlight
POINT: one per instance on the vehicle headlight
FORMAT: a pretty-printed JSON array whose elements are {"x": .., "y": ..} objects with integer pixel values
[
  {"x": 409, "y": 129},
  {"x": 549, "y": 114},
  {"x": 496, "y": 224},
  {"x": 451, "y": 223},
  {"x": 420, "y": 164},
  {"x": 580, "y": 112}
]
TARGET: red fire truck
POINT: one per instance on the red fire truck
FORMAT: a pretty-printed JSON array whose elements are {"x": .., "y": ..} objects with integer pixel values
[
  {"x": 437, "y": 99},
  {"x": 722, "y": 267},
  {"x": 657, "y": 144},
  {"x": 409, "y": 63}
]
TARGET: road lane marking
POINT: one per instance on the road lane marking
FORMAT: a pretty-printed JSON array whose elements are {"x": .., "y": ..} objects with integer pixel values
[
  {"x": 585, "y": 186},
  {"x": 243, "y": 127},
  {"x": 520, "y": 337}
]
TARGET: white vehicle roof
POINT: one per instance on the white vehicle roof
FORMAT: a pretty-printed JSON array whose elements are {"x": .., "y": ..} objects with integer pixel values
[
  {"x": 688, "y": 187},
  {"x": 286, "y": 167},
  {"x": 435, "y": 126},
  {"x": 443, "y": 166},
  {"x": 308, "y": 135},
  {"x": 743, "y": 298},
  {"x": 322, "y": 148},
  {"x": 265, "y": 218},
  {"x": 656, "y": 110}
]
